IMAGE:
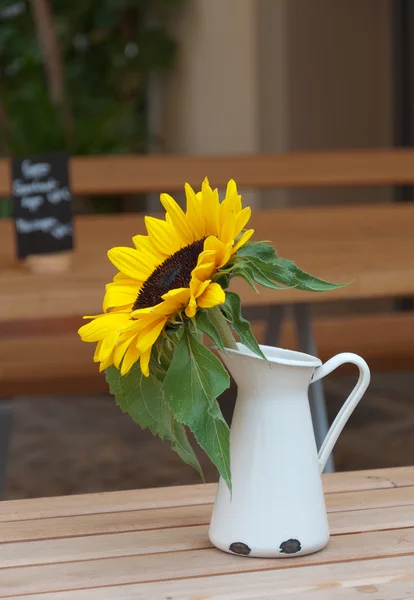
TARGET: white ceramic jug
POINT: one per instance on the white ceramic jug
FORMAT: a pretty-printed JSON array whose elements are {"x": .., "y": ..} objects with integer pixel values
[{"x": 277, "y": 506}]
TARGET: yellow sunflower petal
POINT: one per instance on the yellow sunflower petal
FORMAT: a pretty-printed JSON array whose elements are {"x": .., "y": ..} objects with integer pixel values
[
  {"x": 197, "y": 287},
  {"x": 120, "y": 294},
  {"x": 102, "y": 326},
  {"x": 149, "y": 335},
  {"x": 231, "y": 189},
  {"x": 135, "y": 314},
  {"x": 212, "y": 296},
  {"x": 191, "y": 309},
  {"x": 174, "y": 300},
  {"x": 178, "y": 294},
  {"x": 222, "y": 251},
  {"x": 203, "y": 272},
  {"x": 211, "y": 207},
  {"x": 144, "y": 362},
  {"x": 228, "y": 230},
  {"x": 195, "y": 216},
  {"x": 106, "y": 363},
  {"x": 162, "y": 235},
  {"x": 108, "y": 344},
  {"x": 129, "y": 262},
  {"x": 120, "y": 350},
  {"x": 178, "y": 219},
  {"x": 242, "y": 219},
  {"x": 244, "y": 238},
  {"x": 121, "y": 277},
  {"x": 147, "y": 251},
  {"x": 97, "y": 351},
  {"x": 130, "y": 358},
  {"x": 231, "y": 204}
]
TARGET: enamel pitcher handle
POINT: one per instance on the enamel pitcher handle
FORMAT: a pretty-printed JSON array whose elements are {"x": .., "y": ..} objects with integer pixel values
[{"x": 351, "y": 402}]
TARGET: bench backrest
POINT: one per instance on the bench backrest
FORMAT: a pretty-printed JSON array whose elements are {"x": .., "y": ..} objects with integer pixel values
[{"x": 127, "y": 174}]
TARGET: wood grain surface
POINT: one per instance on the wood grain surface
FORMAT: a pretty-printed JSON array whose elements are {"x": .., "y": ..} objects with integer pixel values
[{"x": 153, "y": 544}]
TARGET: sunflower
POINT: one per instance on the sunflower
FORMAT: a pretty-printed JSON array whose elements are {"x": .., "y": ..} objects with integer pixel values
[{"x": 169, "y": 272}]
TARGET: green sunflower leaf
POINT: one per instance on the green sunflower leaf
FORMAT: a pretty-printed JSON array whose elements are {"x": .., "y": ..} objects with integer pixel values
[
  {"x": 143, "y": 399},
  {"x": 232, "y": 310},
  {"x": 183, "y": 448},
  {"x": 245, "y": 272},
  {"x": 285, "y": 271},
  {"x": 194, "y": 380},
  {"x": 205, "y": 325},
  {"x": 257, "y": 275},
  {"x": 268, "y": 269},
  {"x": 306, "y": 281},
  {"x": 213, "y": 435},
  {"x": 272, "y": 271},
  {"x": 260, "y": 250}
]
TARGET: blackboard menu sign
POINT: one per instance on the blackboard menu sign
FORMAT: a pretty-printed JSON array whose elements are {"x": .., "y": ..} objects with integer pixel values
[{"x": 42, "y": 204}]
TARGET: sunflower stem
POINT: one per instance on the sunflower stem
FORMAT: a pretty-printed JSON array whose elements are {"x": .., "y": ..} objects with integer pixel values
[{"x": 220, "y": 322}]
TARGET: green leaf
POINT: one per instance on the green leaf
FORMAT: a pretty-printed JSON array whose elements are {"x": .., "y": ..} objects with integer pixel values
[
  {"x": 195, "y": 378},
  {"x": 260, "y": 250},
  {"x": 257, "y": 275},
  {"x": 183, "y": 448},
  {"x": 232, "y": 310},
  {"x": 245, "y": 273},
  {"x": 205, "y": 325},
  {"x": 272, "y": 271},
  {"x": 306, "y": 281},
  {"x": 213, "y": 435},
  {"x": 143, "y": 399},
  {"x": 286, "y": 272},
  {"x": 268, "y": 269}
]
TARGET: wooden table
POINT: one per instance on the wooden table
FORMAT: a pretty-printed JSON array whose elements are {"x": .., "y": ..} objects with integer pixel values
[{"x": 153, "y": 545}]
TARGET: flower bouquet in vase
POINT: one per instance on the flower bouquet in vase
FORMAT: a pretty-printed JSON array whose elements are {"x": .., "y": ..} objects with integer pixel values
[{"x": 172, "y": 289}]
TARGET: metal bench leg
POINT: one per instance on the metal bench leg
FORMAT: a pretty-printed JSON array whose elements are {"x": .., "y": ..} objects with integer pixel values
[
  {"x": 276, "y": 316},
  {"x": 306, "y": 342},
  {"x": 5, "y": 431}
]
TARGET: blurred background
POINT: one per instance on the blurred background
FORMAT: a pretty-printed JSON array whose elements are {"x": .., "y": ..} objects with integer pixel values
[{"x": 201, "y": 77}]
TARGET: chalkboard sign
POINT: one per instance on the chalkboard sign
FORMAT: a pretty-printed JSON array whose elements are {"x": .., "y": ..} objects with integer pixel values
[{"x": 42, "y": 204}]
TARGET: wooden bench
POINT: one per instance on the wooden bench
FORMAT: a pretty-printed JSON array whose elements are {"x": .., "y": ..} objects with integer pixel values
[
  {"x": 371, "y": 244},
  {"x": 43, "y": 311}
]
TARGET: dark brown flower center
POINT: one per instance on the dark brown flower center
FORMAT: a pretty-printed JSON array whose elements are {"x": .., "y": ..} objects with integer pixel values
[{"x": 174, "y": 272}]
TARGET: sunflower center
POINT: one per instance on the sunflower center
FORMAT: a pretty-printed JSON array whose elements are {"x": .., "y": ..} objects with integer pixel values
[{"x": 173, "y": 273}]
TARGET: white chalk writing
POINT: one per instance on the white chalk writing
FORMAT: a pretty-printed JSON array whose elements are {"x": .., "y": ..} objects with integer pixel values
[
  {"x": 44, "y": 225},
  {"x": 35, "y": 187},
  {"x": 34, "y": 170},
  {"x": 32, "y": 203},
  {"x": 61, "y": 231},
  {"x": 59, "y": 195}
]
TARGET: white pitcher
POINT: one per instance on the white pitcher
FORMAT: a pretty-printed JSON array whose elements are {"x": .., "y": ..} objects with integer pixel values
[{"x": 277, "y": 506}]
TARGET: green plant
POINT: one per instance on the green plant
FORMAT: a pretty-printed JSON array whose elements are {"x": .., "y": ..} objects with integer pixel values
[{"x": 74, "y": 73}]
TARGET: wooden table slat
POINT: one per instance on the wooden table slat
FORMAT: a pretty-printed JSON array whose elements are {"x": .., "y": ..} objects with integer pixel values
[
  {"x": 346, "y": 506},
  {"x": 192, "y": 563},
  {"x": 59, "y": 549},
  {"x": 390, "y": 577},
  {"x": 84, "y": 504}
]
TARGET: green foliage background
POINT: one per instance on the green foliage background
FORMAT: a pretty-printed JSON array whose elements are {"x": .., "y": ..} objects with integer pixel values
[{"x": 108, "y": 50}]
